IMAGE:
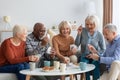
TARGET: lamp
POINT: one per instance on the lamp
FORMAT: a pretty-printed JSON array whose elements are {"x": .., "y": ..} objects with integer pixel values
[{"x": 7, "y": 20}]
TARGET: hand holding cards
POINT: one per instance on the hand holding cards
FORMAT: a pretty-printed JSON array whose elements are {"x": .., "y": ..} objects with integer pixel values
[{"x": 73, "y": 48}]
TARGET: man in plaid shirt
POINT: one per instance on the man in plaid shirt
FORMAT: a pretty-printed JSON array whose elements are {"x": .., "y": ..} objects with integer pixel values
[{"x": 37, "y": 43}]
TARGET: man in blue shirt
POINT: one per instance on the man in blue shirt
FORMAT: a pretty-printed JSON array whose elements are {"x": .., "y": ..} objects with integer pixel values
[{"x": 111, "y": 57}]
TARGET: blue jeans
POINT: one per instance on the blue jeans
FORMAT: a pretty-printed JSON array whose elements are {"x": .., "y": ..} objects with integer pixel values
[
  {"x": 15, "y": 68},
  {"x": 95, "y": 72}
]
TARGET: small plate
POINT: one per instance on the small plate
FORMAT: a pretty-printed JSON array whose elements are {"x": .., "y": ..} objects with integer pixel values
[{"x": 47, "y": 69}]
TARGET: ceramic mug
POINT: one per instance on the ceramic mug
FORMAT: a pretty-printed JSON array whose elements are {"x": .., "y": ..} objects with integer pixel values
[
  {"x": 32, "y": 66},
  {"x": 56, "y": 64},
  {"x": 46, "y": 63},
  {"x": 82, "y": 65},
  {"x": 62, "y": 67}
]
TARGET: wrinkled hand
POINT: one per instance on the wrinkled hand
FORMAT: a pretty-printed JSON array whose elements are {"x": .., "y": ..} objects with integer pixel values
[
  {"x": 66, "y": 60},
  {"x": 33, "y": 58},
  {"x": 79, "y": 29},
  {"x": 93, "y": 56},
  {"x": 92, "y": 48},
  {"x": 53, "y": 53},
  {"x": 45, "y": 40}
]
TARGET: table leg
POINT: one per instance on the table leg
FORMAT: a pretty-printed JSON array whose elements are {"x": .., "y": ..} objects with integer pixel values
[
  {"x": 83, "y": 76},
  {"x": 71, "y": 77},
  {"x": 62, "y": 77},
  {"x": 27, "y": 77}
]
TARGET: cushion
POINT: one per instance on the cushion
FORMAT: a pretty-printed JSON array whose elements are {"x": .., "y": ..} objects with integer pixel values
[{"x": 51, "y": 34}]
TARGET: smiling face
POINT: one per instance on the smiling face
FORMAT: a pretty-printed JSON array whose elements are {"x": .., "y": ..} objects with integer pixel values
[
  {"x": 64, "y": 28},
  {"x": 39, "y": 30},
  {"x": 42, "y": 31},
  {"x": 90, "y": 25},
  {"x": 109, "y": 35}
]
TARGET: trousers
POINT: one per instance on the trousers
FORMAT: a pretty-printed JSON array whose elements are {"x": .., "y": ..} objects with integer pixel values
[
  {"x": 15, "y": 68},
  {"x": 96, "y": 72},
  {"x": 114, "y": 72}
]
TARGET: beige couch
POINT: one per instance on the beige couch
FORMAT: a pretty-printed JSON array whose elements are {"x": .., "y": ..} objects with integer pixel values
[{"x": 8, "y": 76}]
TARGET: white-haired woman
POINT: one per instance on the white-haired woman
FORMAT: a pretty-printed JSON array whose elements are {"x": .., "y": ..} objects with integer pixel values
[
  {"x": 12, "y": 53},
  {"x": 90, "y": 35}
]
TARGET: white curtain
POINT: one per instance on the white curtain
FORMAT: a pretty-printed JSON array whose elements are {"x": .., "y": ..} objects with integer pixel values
[{"x": 116, "y": 14}]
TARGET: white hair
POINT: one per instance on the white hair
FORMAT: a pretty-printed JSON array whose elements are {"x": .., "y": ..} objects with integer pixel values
[
  {"x": 94, "y": 19},
  {"x": 111, "y": 27},
  {"x": 18, "y": 29}
]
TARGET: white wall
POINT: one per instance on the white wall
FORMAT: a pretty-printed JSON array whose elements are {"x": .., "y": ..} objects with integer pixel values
[
  {"x": 50, "y": 12},
  {"x": 116, "y": 14}
]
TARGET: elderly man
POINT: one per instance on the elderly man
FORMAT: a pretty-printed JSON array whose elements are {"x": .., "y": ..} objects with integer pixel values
[
  {"x": 38, "y": 43},
  {"x": 111, "y": 56}
]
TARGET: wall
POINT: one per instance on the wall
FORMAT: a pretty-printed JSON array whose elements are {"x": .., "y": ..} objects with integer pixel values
[{"x": 50, "y": 12}]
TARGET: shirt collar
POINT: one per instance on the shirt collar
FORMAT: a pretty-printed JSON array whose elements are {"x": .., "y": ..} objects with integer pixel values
[{"x": 116, "y": 38}]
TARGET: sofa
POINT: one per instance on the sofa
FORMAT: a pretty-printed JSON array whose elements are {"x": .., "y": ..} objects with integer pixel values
[{"x": 8, "y": 76}]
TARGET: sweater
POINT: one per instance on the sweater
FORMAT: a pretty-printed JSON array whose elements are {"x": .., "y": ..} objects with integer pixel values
[
  {"x": 62, "y": 45},
  {"x": 11, "y": 54}
]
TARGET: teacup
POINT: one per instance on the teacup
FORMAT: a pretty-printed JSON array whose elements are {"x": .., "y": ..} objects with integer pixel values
[
  {"x": 32, "y": 66},
  {"x": 56, "y": 65},
  {"x": 62, "y": 67},
  {"x": 82, "y": 65},
  {"x": 46, "y": 63}
]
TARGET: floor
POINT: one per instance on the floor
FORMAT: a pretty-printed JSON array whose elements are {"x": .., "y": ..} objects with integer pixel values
[
  {"x": 68, "y": 78},
  {"x": 78, "y": 78}
]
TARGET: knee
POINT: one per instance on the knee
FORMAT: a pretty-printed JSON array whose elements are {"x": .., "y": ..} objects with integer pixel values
[
  {"x": 116, "y": 63},
  {"x": 22, "y": 66},
  {"x": 26, "y": 66}
]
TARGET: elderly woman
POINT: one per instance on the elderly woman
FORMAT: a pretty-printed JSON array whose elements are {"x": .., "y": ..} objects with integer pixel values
[
  {"x": 12, "y": 53},
  {"x": 62, "y": 42},
  {"x": 90, "y": 35},
  {"x": 37, "y": 43}
]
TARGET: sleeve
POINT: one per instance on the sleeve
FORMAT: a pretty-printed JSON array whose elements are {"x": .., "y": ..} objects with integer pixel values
[
  {"x": 10, "y": 54},
  {"x": 55, "y": 45},
  {"x": 72, "y": 40},
  {"x": 32, "y": 47},
  {"x": 46, "y": 55},
  {"x": 78, "y": 40},
  {"x": 102, "y": 45},
  {"x": 110, "y": 59}
]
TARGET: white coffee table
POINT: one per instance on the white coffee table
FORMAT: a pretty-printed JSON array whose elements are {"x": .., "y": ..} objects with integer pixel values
[{"x": 71, "y": 69}]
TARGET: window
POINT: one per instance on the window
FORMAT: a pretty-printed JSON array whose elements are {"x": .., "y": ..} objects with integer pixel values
[{"x": 116, "y": 14}]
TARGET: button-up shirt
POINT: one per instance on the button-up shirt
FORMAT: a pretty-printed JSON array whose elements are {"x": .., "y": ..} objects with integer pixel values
[
  {"x": 33, "y": 46},
  {"x": 112, "y": 52}
]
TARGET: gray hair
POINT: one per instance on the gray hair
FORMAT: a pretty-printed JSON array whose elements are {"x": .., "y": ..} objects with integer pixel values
[
  {"x": 63, "y": 24},
  {"x": 111, "y": 27},
  {"x": 93, "y": 18},
  {"x": 18, "y": 29}
]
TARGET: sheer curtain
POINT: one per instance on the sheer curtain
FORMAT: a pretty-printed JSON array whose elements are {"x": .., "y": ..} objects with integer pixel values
[{"x": 116, "y": 14}]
